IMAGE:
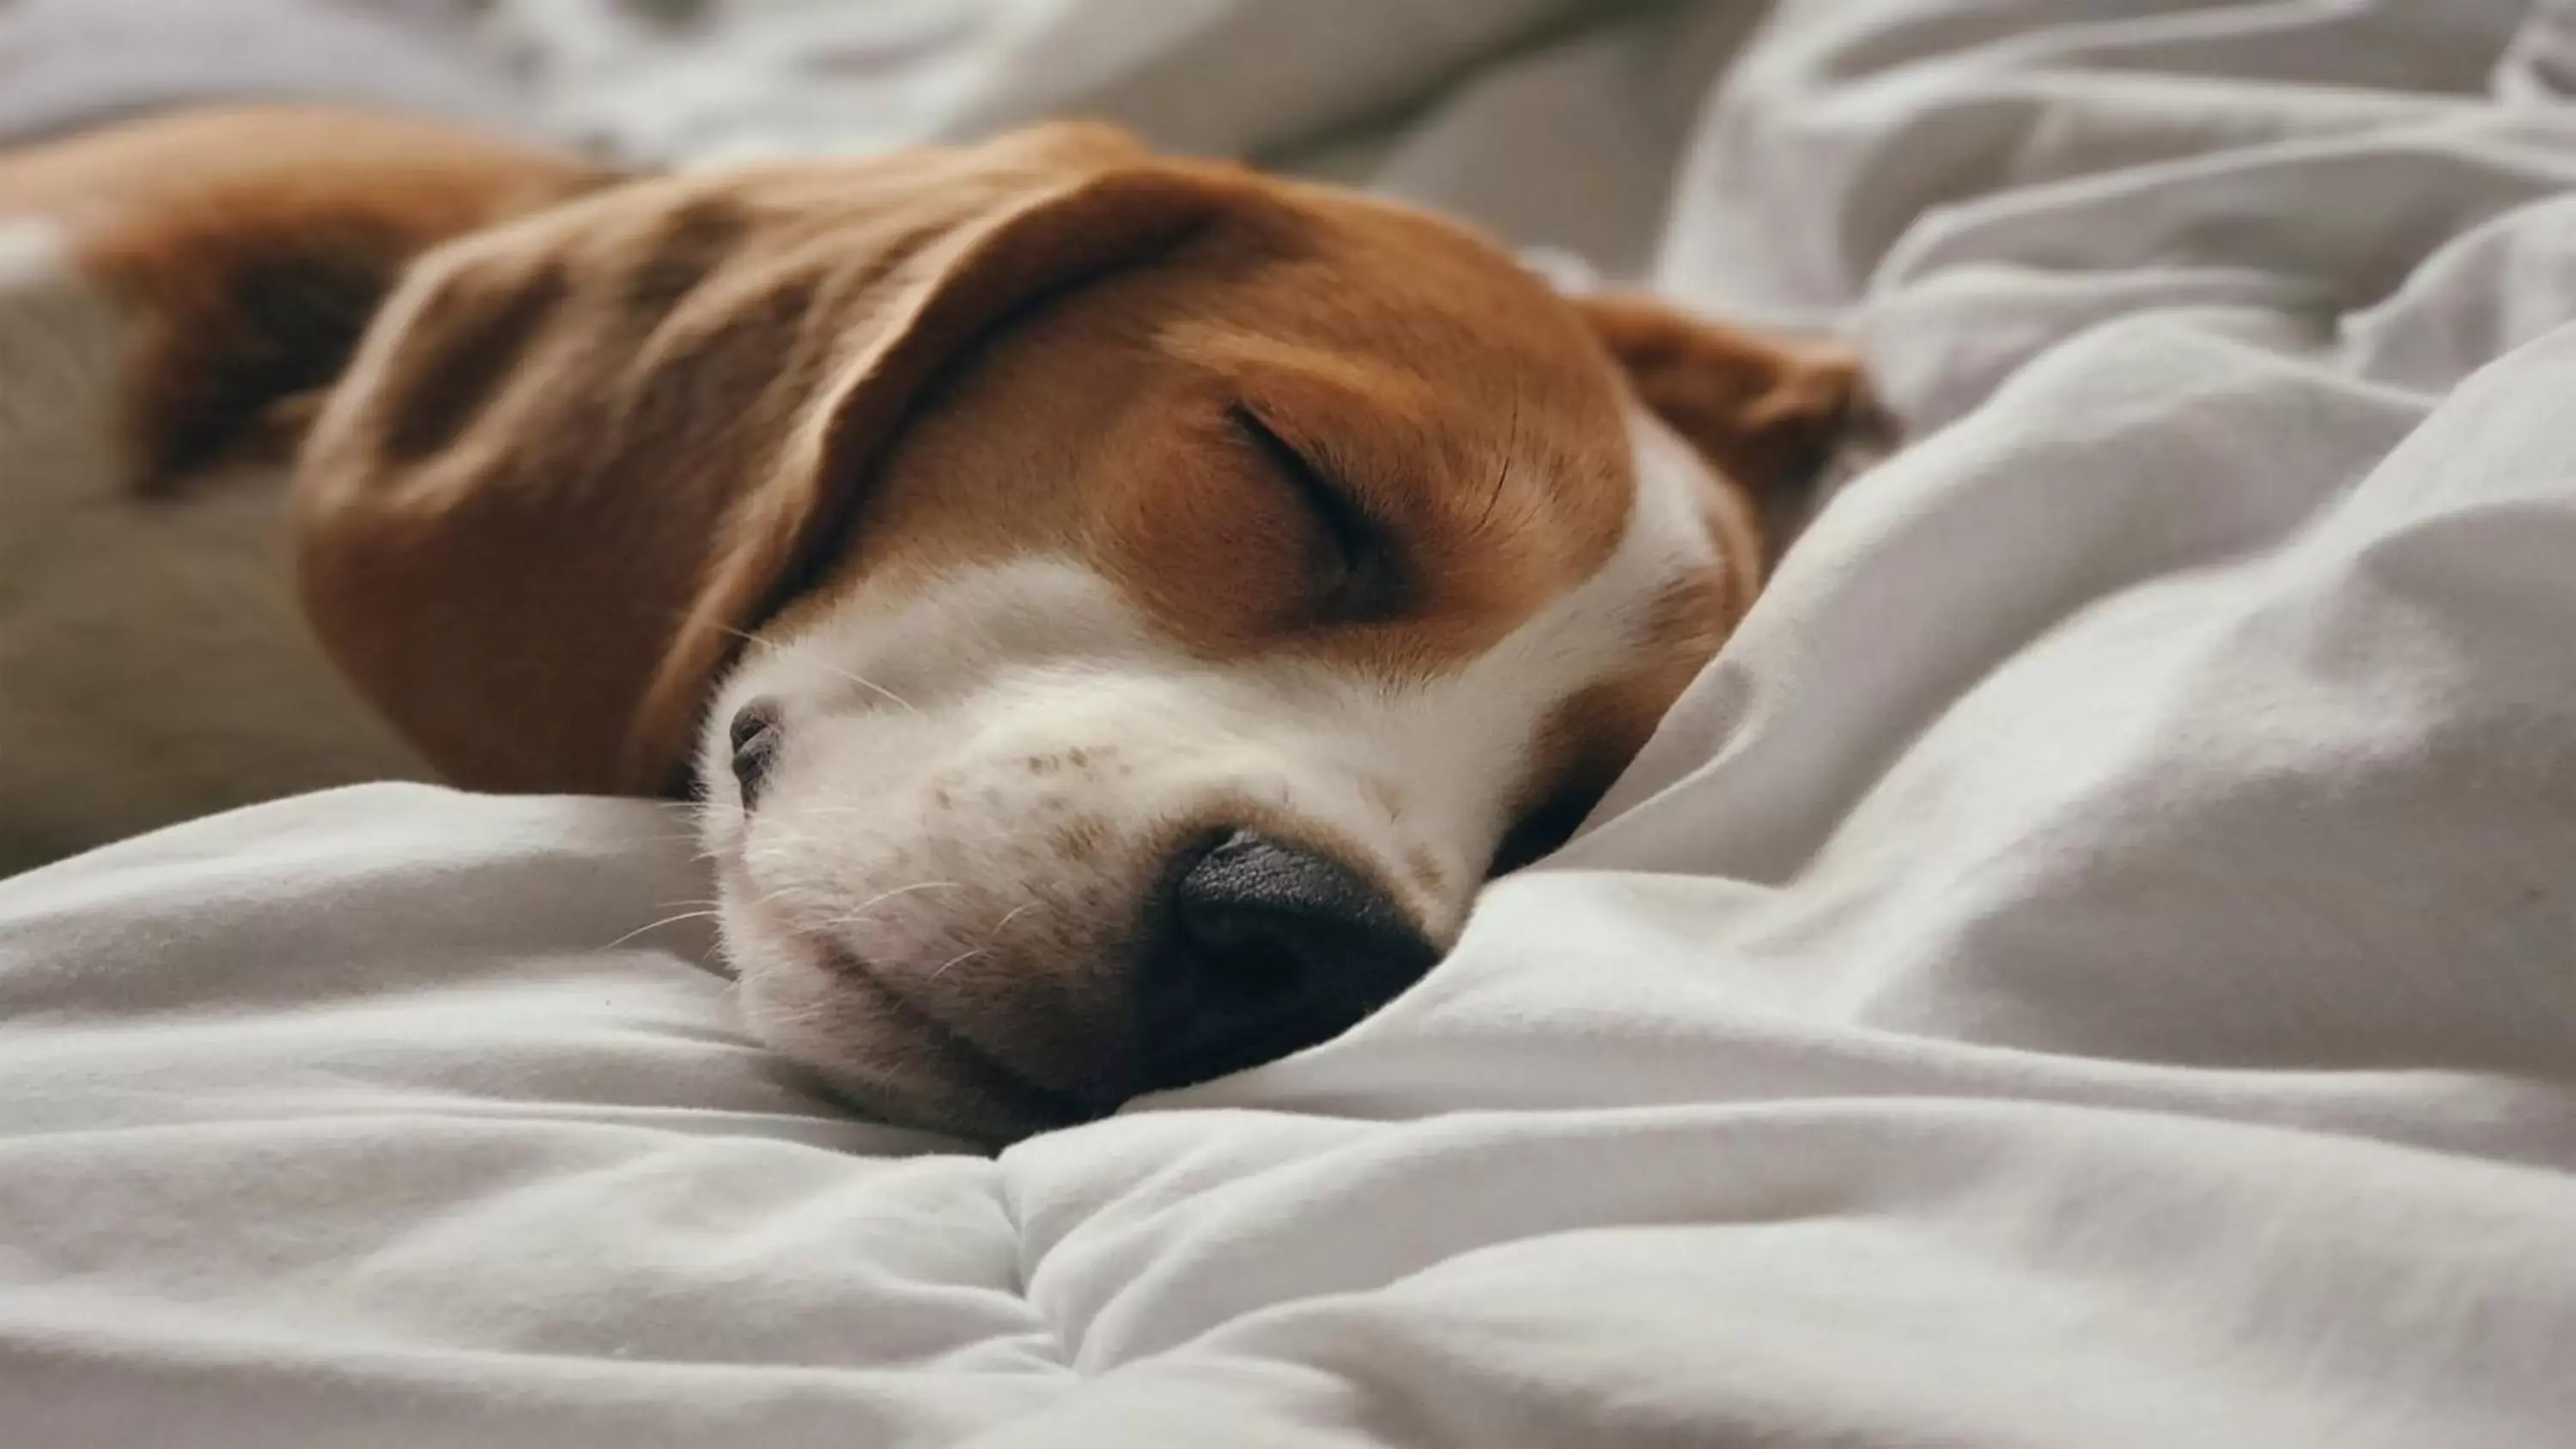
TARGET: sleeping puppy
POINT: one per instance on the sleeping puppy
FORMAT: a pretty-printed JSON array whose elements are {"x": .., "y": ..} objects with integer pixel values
[{"x": 1113, "y": 611}]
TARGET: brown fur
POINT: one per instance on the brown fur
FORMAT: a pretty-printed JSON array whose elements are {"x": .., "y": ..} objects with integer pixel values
[
  {"x": 1766, "y": 411},
  {"x": 1377, "y": 341},
  {"x": 669, "y": 460}
]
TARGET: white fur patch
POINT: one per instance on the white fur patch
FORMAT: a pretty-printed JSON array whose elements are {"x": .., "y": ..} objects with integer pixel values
[{"x": 976, "y": 781}]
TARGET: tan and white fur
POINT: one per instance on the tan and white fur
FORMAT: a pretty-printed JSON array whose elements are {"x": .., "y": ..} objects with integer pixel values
[
  {"x": 153, "y": 662},
  {"x": 1035, "y": 513}
]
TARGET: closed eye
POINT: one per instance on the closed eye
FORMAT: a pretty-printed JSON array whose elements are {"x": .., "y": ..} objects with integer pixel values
[{"x": 1363, "y": 582}]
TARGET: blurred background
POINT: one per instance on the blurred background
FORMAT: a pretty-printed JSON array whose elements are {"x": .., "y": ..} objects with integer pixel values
[
  {"x": 1557, "y": 123},
  {"x": 1957, "y": 186}
]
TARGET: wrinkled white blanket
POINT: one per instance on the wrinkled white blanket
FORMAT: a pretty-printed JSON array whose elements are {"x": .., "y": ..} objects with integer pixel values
[{"x": 2093, "y": 964}]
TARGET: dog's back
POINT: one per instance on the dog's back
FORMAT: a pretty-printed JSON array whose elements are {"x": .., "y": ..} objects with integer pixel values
[
  {"x": 155, "y": 346},
  {"x": 152, "y": 664}
]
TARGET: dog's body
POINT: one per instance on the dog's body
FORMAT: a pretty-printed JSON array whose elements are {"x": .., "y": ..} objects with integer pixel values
[
  {"x": 153, "y": 661},
  {"x": 166, "y": 289},
  {"x": 1169, "y": 592}
]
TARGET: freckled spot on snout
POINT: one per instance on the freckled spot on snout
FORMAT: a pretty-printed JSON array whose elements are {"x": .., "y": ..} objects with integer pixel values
[{"x": 1080, "y": 841}]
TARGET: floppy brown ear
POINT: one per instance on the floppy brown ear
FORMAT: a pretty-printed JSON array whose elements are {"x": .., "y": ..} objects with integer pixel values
[
  {"x": 1765, "y": 410},
  {"x": 576, "y": 454}
]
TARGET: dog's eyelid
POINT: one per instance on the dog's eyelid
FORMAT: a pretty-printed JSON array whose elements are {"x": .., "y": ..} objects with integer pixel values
[
  {"x": 1330, "y": 495},
  {"x": 1360, "y": 539}
]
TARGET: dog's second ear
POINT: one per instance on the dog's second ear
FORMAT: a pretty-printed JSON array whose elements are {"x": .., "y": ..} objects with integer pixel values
[
  {"x": 1766, "y": 411},
  {"x": 576, "y": 455}
]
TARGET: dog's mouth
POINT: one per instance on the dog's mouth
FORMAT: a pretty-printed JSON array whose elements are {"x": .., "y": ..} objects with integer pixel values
[
  {"x": 1230, "y": 948},
  {"x": 979, "y": 1068},
  {"x": 875, "y": 1044}
]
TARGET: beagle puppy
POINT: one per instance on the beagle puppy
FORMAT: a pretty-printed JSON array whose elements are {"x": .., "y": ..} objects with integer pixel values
[{"x": 1112, "y": 611}]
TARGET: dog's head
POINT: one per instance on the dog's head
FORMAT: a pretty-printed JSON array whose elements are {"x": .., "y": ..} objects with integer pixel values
[{"x": 1114, "y": 611}]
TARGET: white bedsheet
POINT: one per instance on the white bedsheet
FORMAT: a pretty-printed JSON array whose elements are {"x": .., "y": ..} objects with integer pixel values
[{"x": 2093, "y": 964}]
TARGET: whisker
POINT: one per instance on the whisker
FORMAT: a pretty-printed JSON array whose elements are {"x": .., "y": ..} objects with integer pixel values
[
  {"x": 870, "y": 685},
  {"x": 1014, "y": 913},
  {"x": 805, "y": 810},
  {"x": 773, "y": 893},
  {"x": 860, "y": 680},
  {"x": 657, "y": 925},
  {"x": 953, "y": 960},
  {"x": 877, "y": 900}
]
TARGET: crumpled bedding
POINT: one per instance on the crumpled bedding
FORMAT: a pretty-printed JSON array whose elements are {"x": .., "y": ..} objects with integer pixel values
[{"x": 2093, "y": 963}]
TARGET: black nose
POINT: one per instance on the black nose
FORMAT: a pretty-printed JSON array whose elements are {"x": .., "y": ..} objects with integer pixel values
[{"x": 1264, "y": 947}]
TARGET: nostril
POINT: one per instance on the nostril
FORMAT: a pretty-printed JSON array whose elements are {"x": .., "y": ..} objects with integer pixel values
[
  {"x": 1266, "y": 947},
  {"x": 754, "y": 736}
]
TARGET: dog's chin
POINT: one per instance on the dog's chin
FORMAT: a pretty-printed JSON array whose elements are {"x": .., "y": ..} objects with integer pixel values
[{"x": 831, "y": 1016}]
